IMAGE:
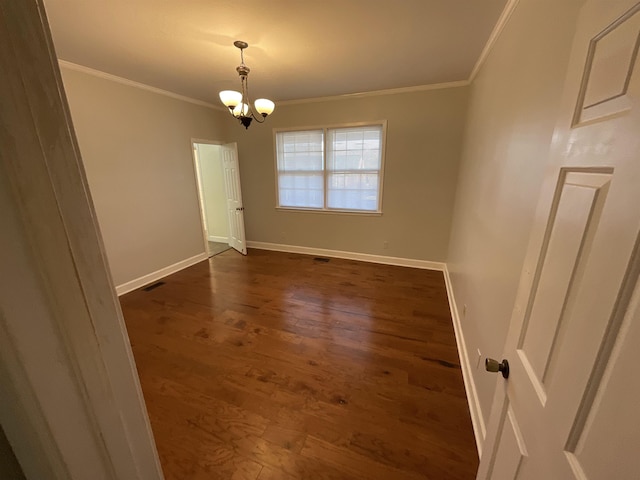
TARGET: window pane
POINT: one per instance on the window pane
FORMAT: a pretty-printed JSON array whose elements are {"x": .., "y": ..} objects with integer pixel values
[
  {"x": 307, "y": 141},
  {"x": 301, "y": 190},
  {"x": 351, "y": 167},
  {"x": 301, "y": 198},
  {"x": 353, "y": 191},
  {"x": 300, "y": 160},
  {"x": 354, "y": 159},
  {"x": 313, "y": 182}
]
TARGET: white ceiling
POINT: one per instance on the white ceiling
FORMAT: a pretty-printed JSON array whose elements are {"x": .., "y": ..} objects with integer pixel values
[{"x": 297, "y": 48}]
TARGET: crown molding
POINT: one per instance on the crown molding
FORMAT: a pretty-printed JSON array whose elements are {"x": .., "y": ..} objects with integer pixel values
[
  {"x": 377, "y": 93},
  {"x": 131, "y": 83},
  {"x": 495, "y": 33}
]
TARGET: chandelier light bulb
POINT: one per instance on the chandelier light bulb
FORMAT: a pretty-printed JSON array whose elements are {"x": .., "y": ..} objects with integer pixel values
[
  {"x": 241, "y": 110},
  {"x": 230, "y": 98},
  {"x": 264, "y": 106}
]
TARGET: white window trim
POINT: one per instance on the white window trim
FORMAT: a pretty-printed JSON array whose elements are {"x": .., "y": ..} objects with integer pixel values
[{"x": 324, "y": 128}]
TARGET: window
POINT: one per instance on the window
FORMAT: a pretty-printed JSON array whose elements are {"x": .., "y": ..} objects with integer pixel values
[{"x": 331, "y": 169}]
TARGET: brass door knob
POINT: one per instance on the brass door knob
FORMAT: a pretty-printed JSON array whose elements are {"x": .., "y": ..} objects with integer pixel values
[{"x": 492, "y": 365}]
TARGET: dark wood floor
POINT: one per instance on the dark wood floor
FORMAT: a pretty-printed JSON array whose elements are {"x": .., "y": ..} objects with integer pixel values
[{"x": 280, "y": 366}]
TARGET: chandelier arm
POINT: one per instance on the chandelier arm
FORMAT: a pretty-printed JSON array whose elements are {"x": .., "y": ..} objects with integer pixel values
[
  {"x": 245, "y": 88},
  {"x": 246, "y": 118},
  {"x": 250, "y": 113}
]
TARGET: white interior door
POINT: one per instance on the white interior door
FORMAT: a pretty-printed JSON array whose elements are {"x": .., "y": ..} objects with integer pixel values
[
  {"x": 570, "y": 408},
  {"x": 235, "y": 210}
]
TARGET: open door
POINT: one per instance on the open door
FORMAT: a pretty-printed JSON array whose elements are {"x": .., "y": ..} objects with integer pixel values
[
  {"x": 235, "y": 209},
  {"x": 570, "y": 408}
]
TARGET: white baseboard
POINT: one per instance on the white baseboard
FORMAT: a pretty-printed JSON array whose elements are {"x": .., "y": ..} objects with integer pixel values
[
  {"x": 364, "y": 257},
  {"x": 215, "y": 238},
  {"x": 479, "y": 428},
  {"x": 158, "y": 274}
]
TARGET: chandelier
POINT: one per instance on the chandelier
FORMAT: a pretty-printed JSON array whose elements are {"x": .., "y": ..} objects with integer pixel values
[{"x": 239, "y": 103}]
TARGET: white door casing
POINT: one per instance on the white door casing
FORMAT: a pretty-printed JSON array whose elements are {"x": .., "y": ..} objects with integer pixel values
[
  {"x": 235, "y": 209},
  {"x": 571, "y": 406},
  {"x": 71, "y": 404}
]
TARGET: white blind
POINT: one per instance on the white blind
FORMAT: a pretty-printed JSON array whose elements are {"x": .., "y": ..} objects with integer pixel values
[
  {"x": 345, "y": 177},
  {"x": 354, "y": 158},
  {"x": 300, "y": 169}
]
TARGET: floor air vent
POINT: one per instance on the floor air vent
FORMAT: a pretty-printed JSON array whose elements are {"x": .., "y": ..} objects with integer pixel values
[{"x": 321, "y": 259}]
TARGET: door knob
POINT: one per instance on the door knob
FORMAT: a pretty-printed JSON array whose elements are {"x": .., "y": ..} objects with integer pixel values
[{"x": 492, "y": 365}]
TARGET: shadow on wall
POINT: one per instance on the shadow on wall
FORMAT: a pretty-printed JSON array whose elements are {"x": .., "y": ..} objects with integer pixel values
[{"x": 9, "y": 467}]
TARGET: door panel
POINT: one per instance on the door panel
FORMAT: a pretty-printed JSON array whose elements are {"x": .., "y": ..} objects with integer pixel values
[
  {"x": 614, "y": 395},
  {"x": 571, "y": 405},
  {"x": 574, "y": 216},
  {"x": 611, "y": 60},
  {"x": 511, "y": 450}
]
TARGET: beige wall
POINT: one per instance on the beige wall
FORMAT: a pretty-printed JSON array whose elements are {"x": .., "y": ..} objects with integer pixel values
[
  {"x": 512, "y": 113},
  {"x": 424, "y": 135},
  {"x": 215, "y": 199},
  {"x": 136, "y": 147}
]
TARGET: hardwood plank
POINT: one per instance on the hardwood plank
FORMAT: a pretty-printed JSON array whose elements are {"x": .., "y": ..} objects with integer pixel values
[
  {"x": 277, "y": 366},
  {"x": 353, "y": 463},
  {"x": 289, "y": 438}
]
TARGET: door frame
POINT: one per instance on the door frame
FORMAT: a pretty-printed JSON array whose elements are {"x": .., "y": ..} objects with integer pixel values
[
  {"x": 196, "y": 175},
  {"x": 73, "y": 407}
]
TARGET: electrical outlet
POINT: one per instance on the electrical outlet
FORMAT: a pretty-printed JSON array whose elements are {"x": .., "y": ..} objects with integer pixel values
[
  {"x": 479, "y": 359},
  {"x": 385, "y": 244}
]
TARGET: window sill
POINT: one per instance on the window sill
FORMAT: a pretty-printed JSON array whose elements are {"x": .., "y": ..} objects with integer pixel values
[{"x": 331, "y": 212}]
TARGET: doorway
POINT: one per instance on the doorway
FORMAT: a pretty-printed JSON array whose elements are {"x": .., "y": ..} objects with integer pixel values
[
  {"x": 210, "y": 175},
  {"x": 219, "y": 195}
]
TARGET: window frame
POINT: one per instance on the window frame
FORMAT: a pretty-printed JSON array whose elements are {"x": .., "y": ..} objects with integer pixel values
[{"x": 325, "y": 128}]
